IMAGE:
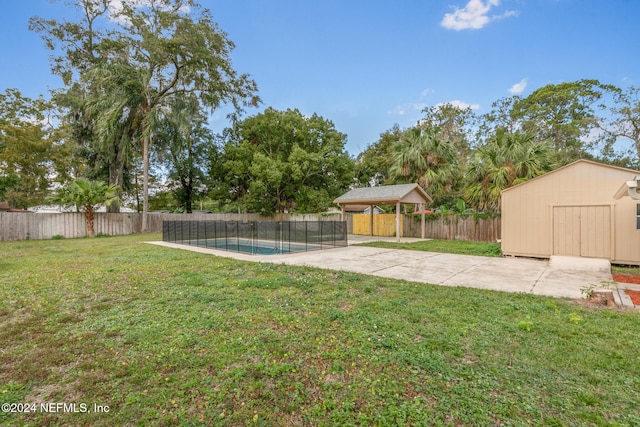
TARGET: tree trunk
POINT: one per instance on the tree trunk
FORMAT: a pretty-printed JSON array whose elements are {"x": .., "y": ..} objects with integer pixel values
[
  {"x": 88, "y": 213},
  {"x": 116, "y": 174},
  {"x": 145, "y": 182}
]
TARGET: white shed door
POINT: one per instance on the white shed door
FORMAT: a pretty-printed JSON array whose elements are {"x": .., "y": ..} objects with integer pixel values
[{"x": 582, "y": 231}]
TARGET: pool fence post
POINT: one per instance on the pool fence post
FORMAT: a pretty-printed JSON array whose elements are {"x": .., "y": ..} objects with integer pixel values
[{"x": 253, "y": 237}]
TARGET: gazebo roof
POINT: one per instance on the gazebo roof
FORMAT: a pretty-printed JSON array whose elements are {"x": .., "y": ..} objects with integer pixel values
[{"x": 385, "y": 194}]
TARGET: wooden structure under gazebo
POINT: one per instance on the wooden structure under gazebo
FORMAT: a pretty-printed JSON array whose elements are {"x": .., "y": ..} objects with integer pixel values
[{"x": 386, "y": 195}]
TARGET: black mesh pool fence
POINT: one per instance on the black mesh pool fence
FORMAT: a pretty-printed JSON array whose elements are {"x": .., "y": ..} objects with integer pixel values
[{"x": 257, "y": 237}]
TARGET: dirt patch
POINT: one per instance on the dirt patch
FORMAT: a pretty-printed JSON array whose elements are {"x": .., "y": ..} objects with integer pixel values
[
  {"x": 625, "y": 278},
  {"x": 634, "y": 295}
]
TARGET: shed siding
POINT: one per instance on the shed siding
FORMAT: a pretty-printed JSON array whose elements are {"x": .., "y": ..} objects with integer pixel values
[
  {"x": 626, "y": 236},
  {"x": 571, "y": 211},
  {"x": 566, "y": 230}
]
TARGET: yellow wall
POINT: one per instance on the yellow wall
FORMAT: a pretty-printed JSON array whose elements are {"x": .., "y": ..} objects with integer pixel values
[{"x": 383, "y": 224}]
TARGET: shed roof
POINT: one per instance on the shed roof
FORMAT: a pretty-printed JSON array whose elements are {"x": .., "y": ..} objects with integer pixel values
[
  {"x": 403, "y": 193},
  {"x": 570, "y": 165}
]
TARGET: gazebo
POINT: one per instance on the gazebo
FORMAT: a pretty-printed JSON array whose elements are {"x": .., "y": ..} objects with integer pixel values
[{"x": 386, "y": 195}]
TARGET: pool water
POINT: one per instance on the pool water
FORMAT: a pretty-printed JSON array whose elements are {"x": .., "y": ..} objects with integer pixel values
[
  {"x": 253, "y": 248},
  {"x": 257, "y": 237}
]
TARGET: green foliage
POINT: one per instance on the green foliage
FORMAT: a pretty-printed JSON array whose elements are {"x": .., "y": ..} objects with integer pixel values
[
  {"x": 525, "y": 325},
  {"x": 563, "y": 114},
  {"x": 281, "y": 160},
  {"x": 422, "y": 157},
  {"x": 86, "y": 196},
  {"x": 27, "y": 147},
  {"x": 131, "y": 63},
  {"x": 184, "y": 142},
  {"x": 167, "y": 337},
  {"x": 454, "y": 124},
  {"x": 625, "y": 125},
  {"x": 505, "y": 160},
  {"x": 373, "y": 164}
]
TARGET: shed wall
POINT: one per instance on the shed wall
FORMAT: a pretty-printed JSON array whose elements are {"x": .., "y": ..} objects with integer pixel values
[
  {"x": 608, "y": 228},
  {"x": 626, "y": 236}
]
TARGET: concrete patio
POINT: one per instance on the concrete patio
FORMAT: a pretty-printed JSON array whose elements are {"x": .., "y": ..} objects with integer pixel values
[{"x": 560, "y": 277}]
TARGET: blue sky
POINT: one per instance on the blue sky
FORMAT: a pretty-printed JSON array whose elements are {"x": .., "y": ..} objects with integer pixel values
[{"x": 368, "y": 64}]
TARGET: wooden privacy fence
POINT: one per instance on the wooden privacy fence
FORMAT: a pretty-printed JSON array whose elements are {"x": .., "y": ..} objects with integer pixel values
[
  {"x": 448, "y": 227},
  {"x": 39, "y": 226},
  {"x": 456, "y": 227}
]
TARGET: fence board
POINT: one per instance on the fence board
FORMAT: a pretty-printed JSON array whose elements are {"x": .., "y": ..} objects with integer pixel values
[
  {"x": 383, "y": 224},
  {"x": 37, "y": 226},
  {"x": 455, "y": 227}
]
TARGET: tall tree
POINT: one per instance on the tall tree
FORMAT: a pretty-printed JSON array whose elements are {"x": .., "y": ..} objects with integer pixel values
[
  {"x": 183, "y": 144},
  {"x": 563, "y": 114},
  {"x": 623, "y": 126},
  {"x": 78, "y": 48},
  {"x": 281, "y": 160},
  {"x": 506, "y": 159},
  {"x": 26, "y": 149},
  {"x": 455, "y": 125},
  {"x": 372, "y": 165},
  {"x": 423, "y": 158},
  {"x": 155, "y": 50},
  {"x": 501, "y": 116}
]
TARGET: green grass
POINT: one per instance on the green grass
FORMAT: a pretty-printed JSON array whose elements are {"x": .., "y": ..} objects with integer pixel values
[
  {"x": 460, "y": 247},
  {"x": 171, "y": 337},
  {"x": 631, "y": 270}
]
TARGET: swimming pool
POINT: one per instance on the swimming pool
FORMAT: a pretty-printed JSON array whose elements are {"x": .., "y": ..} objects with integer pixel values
[
  {"x": 258, "y": 237},
  {"x": 251, "y": 247}
]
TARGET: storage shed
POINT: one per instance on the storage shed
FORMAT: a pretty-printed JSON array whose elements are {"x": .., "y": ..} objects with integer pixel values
[{"x": 577, "y": 210}]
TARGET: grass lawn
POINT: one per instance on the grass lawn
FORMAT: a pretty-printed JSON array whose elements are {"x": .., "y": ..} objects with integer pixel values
[
  {"x": 460, "y": 247},
  {"x": 171, "y": 337},
  {"x": 630, "y": 270}
]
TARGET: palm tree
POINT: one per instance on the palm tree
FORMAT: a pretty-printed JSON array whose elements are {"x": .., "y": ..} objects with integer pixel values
[
  {"x": 423, "y": 158},
  {"x": 506, "y": 159},
  {"x": 86, "y": 196}
]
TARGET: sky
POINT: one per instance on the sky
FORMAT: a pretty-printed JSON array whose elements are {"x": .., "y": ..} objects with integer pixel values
[{"x": 366, "y": 65}]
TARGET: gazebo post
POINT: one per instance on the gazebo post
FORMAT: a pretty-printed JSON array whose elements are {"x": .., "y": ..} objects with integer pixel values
[
  {"x": 422, "y": 206},
  {"x": 398, "y": 221},
  {"x": 341, "y": 212}
]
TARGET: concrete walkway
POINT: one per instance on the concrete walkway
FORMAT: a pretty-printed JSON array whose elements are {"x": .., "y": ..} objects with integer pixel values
[{"x": 558, "y": 278}]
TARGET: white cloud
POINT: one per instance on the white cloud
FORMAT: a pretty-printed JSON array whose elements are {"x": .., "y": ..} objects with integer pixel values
[
  {"x": 518, "y": 87},
  {"x": 460, "y": 104},
  {"x": 403, "y": 109},
  {"x": 473, "y": 16},
  {"x": 426, "y": 92},
  {"x": 116, "y": 7}
]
